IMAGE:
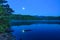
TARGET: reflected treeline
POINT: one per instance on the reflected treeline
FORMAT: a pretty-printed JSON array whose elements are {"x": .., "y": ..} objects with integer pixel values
[
  {"x": 33, "y": 22},
  {"x": 20, "y": 19}
]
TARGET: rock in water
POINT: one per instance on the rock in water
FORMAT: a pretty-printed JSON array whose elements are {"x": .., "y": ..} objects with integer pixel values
[
  {"x": 7, "y": 36},
  {"x": 26, "y": 30}
]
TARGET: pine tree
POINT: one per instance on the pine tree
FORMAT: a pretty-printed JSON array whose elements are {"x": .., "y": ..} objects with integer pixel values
[
  {"x": 3, "y": 1},
  {"x": 5, "y": 14}
]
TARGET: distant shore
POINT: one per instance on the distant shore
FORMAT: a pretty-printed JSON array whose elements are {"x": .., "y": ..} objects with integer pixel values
[{"x": 29, "y": 17}]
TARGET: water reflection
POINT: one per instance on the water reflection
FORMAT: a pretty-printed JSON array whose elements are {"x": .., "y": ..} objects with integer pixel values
[
  {"x": 26, "y": 30},
  {"x": 18, "y": 23},
  {"x": 38, "y": 32}
]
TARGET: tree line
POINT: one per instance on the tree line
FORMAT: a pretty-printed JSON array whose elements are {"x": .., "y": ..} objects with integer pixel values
[{"x": 5, "y": 15}]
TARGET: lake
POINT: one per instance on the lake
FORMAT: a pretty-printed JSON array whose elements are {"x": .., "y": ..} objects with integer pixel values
[{"x": 37, "y": 32}]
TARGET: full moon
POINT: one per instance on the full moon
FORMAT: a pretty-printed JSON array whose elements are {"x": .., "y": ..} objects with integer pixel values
[{"x": 23, "y": 8}]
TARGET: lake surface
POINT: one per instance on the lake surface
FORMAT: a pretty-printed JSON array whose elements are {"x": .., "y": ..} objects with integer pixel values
[
  {"x": 38, "y": 32},
  {"x": 29, "y": 22}
]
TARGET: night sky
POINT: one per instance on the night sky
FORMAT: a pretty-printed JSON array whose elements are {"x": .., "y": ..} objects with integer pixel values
[{"x": 36, "y": 7}]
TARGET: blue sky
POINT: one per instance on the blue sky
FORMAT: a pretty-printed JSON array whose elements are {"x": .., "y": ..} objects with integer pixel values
[{"x": 36, "y": 7}]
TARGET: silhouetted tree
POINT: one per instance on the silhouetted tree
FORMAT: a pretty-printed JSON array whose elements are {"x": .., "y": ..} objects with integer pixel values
[{"x": 5, "y": 14}]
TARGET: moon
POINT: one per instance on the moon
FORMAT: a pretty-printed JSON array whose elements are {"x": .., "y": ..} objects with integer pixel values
[{"x": 23, "y": 8}]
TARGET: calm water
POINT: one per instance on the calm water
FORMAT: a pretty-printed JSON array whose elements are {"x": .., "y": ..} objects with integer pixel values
[{"x": 38, "y": 32}]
